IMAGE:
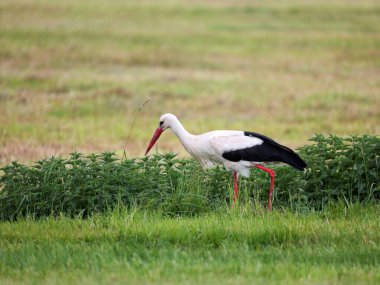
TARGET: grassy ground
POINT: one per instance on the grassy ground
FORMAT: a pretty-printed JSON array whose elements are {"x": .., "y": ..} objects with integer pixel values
[
  {"x": 74, "y": 73},
  {"x": 337, "y": 246}
]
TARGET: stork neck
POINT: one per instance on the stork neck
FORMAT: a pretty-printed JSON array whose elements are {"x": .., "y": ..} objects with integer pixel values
[{"x": 184, "y": 136}]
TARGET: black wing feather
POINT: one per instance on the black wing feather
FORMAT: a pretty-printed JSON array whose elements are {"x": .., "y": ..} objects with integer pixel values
[{"x": 268, "y": 151}]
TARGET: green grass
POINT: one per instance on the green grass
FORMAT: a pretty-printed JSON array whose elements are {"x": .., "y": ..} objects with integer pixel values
[
  {"x": 74, "y": 73},
  {"x": 236, "y": 246}
]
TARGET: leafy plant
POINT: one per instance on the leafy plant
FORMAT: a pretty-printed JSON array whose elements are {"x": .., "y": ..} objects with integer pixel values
[{"x": 339, "y": 169}]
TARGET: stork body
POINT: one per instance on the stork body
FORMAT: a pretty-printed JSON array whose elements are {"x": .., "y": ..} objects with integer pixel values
[{"x": 238, "y": 151}]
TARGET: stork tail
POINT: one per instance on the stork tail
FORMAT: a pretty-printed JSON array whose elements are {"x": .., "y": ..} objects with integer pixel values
[{"x": 294, "y": 160}]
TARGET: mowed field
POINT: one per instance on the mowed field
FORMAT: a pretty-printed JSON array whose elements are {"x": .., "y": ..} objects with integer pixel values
[{"x": 74, "y": 73}]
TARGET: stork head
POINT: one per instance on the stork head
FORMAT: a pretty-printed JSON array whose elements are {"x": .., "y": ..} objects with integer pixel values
[{"x": 166, "y": 121}]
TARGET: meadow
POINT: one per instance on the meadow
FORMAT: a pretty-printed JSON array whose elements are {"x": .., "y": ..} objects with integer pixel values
[
  {"x": 73, "y": 77},
  {"x": 74, "y": 74},
  {"x": 238, "y": 246}
]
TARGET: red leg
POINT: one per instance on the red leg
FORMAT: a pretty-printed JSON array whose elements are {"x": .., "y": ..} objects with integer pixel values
[
  {"x": 236, "y": 190},
  {"x": 271, "y": 173}
]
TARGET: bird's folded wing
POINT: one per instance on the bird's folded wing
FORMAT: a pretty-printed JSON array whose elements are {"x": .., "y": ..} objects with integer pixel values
[{"x": 222, "y": 144}]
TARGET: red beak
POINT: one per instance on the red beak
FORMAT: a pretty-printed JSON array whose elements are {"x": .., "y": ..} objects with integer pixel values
[{"x": 155, "y": 137}]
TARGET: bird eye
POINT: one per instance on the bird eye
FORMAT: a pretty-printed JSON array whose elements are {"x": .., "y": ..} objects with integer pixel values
[{"x": 161, "y": 123}]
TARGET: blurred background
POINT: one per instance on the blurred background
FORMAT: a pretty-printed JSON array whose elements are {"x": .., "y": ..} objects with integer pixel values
[{"x": 74, "y": 73}]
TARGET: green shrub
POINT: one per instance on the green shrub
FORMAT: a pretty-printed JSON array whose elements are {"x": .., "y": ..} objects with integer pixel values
[
  {"x": 82, "y": 185},
  {"x": 339, "y": 169}
]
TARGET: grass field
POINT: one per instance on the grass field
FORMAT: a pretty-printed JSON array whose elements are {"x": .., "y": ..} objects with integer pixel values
[
  {"x": 73, "y": 73},
  {"x": 337, "y": 246}
]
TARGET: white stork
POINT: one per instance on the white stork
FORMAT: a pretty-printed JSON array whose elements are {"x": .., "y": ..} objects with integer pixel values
[{"x": 238, "y": 151}]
